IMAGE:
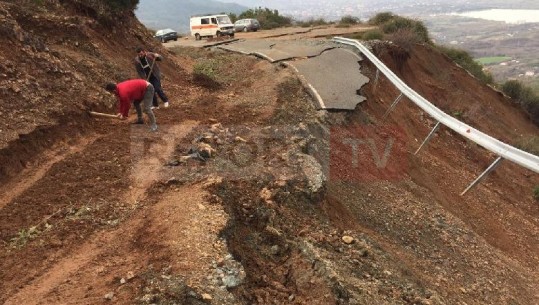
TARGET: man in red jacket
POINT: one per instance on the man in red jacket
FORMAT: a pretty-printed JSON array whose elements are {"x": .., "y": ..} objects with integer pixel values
[{"x": 134, "y": 91}]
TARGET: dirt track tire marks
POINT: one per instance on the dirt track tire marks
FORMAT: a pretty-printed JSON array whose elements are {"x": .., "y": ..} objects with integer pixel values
[
  {"x": 88, "y": 273},
  {"x": 103, "y": 183},
  {"x": 28, "y": 177}
]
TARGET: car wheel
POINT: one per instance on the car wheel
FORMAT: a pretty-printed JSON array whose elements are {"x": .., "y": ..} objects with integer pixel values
[
  {"x": 197, "y": 36},
  {"x": 218, "y": 34},
  {"x": 175, "y": 39}
]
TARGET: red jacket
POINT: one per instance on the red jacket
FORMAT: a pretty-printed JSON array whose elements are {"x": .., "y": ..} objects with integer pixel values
[{"x": 129, "y": 91}]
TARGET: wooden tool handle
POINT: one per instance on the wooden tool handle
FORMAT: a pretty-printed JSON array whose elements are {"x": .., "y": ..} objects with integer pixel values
[{"x": 104, "y": 115}]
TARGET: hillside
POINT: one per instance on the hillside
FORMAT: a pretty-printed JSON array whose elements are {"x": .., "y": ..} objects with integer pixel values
[{"x": 242, "y": 196}]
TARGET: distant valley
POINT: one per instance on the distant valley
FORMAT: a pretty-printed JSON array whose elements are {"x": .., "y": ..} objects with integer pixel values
[{"x": 518, "y": 43}]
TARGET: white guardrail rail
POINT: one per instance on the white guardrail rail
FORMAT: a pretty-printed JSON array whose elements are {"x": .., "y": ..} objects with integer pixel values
[{"x": 494, "y": 145}]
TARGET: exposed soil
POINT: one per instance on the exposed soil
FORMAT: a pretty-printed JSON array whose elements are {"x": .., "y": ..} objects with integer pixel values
[{"x": 99, "y": 211}]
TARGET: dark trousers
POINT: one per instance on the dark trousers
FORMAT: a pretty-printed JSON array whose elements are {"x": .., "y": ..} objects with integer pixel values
[
  {"x": 158, "y": 91},
  {"x": 147, "y": 103}
]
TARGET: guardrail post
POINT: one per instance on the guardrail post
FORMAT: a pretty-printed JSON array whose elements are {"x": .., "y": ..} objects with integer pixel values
[
  {"x": 483, "y": 175},
  {"x": 503, "y": 150},
  {"x": 427, "y": 139},
  {"x": 376, "y": 78},
  {"x": 392, "y": 105}
]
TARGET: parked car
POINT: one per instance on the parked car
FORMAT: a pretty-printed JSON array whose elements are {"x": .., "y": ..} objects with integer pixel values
[
  {"x": 246, "y": 25},
  {"x": 166, "y": 35}
]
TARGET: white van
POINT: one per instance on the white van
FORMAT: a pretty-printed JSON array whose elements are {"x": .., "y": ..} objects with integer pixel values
[{"x": 211, "y": 25}]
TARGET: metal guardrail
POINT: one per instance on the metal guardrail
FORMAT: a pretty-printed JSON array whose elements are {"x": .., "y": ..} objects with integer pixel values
[{"x": 494, "y": 145}]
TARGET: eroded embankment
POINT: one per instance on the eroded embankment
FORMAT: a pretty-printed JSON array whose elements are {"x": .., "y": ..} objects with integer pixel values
[{"x": 25, "y": 152}]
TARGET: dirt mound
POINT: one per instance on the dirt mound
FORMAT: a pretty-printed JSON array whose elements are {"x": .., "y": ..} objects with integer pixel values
[{"x": 278, "y": 209}]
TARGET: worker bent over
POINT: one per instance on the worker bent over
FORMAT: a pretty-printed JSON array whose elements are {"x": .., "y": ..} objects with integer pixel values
[{"x": 134, "y": 91}]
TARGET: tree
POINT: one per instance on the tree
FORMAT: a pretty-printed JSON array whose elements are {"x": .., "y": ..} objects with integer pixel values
[{"x": 268, "y": 18}]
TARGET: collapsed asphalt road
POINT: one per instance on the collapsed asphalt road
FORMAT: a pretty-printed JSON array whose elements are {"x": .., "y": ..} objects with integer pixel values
[{"x": 331, "y": 74}]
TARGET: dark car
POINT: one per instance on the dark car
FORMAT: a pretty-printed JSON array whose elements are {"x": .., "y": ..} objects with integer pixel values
[
  {"x": 166, "y": 35},
  {"x": 246, "y": 25}
]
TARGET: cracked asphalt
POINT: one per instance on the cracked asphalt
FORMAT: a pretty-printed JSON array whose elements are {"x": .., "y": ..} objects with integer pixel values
[{"x": 330, "y": 72}]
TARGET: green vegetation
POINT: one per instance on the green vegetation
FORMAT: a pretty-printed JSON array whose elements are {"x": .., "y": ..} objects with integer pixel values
[
  {"x": 466, "y": 61},
  {"x": 349, "y": 20},
  {"x": 122, "y": 4},
  {"x": 207, "y": 68},
  {"x": 525, "y": 97},
  {"x": 26, "y": 235},
  {"x": 269, "y": 19},
  {"x": 381, "y": 18},
  {"x": 458, "y": 114},
  {"x": 529, "y": 144},
  {"x": 312, "y": 22},
  {"x": 372, "y": 35},
  {"x": 394, "y": 24},
  {"x": 492, "y": 60},
  {"x": 536, "y": 192}
]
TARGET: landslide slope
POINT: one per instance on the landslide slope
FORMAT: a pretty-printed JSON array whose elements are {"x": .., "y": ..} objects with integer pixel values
[{"x": 284, "y": 212}]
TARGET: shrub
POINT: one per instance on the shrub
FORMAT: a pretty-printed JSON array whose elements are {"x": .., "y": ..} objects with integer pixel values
[
  {"x": 396, "y": 23},
  {"x": 405, "y": 38},
  {"x": 312, "y": 22},
  {"x": 372, "y": 35},
  {"x": 464, "y": 59},
  {"x": 513, "y": 88},
  {"x": 122, "y": 4},
  {"x": 532, "y": 107},
  {"x": 381, "y": 18},
  {"x": 516, "y": 90},
  {"x": 400, "y": 23},
  {"x": 268, "y": 18},
  {"x": 525, "y": 97},
  {"x": 349, "y": 20},
  {"x": 390, "y": 24},
  {"x": 536, "y": 192}
]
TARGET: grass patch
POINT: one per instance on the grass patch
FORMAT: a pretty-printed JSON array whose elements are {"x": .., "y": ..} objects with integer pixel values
[
  {"x": 373, "y": 35},
  {"x": 26, "y": 235},
  {"x": 492, "y": 60},
  {"x": 207, "y": 67},
  {"x": 529, "y": 144},
  {"x": 466, "y": 61}
]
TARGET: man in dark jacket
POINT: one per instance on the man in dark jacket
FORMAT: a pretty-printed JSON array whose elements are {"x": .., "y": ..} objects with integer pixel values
[
  {"x": 134, "y": 91},
  {"x": 149, "y": 70}
]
